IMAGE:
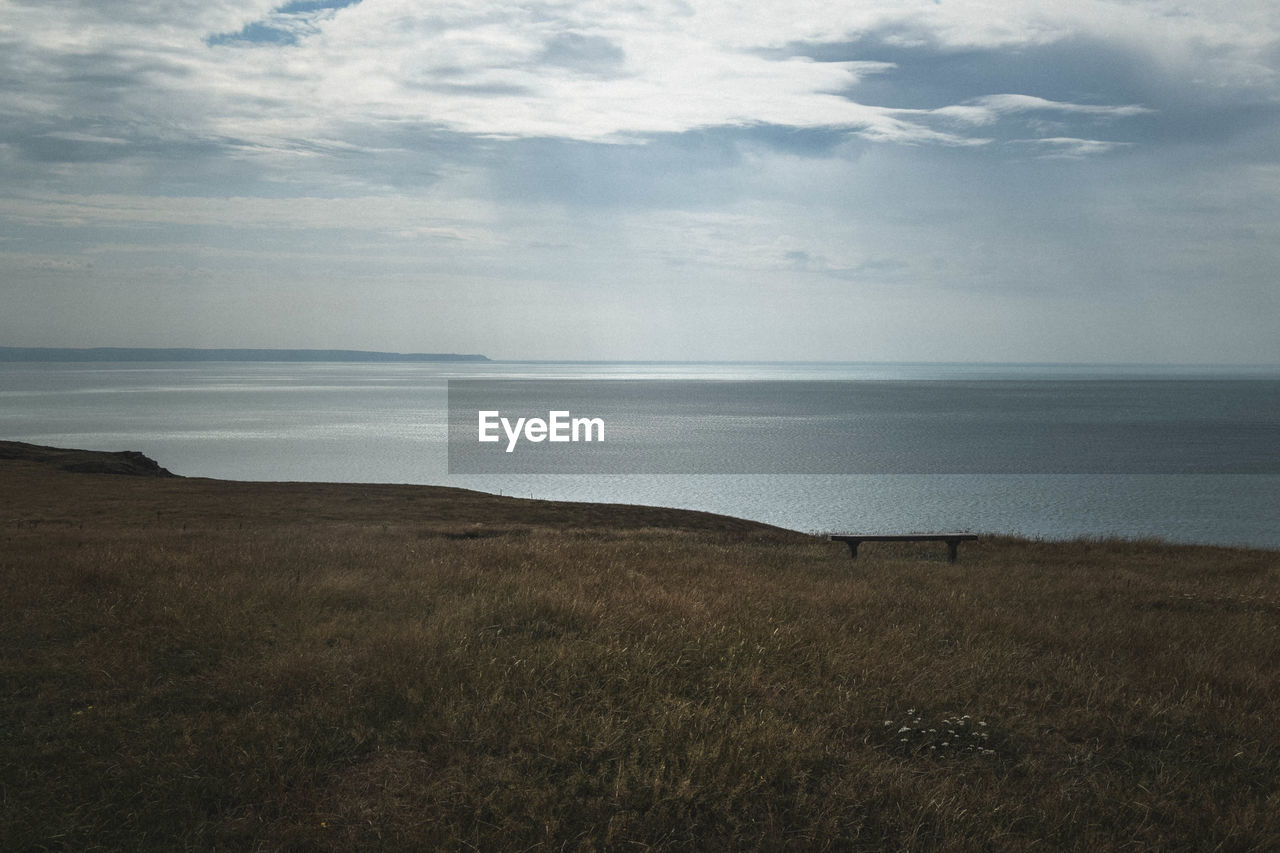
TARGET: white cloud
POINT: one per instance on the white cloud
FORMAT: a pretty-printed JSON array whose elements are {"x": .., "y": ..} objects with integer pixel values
[
  {"x": 480, "y": 67},
  {"x": 1063, "y": 146},
  {"x": 988, "y": 109},
  {"x": 153, "y": 140}
]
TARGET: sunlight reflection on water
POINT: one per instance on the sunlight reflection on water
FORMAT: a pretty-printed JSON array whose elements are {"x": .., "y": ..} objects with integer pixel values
[{"x": 387, "y": 423}]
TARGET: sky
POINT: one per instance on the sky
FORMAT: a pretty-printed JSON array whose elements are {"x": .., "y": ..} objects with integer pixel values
[{"x": 1057, "y": 181}]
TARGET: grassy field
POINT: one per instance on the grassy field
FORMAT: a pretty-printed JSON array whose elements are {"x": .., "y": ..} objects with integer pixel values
[{"x": 206, "y": 665}]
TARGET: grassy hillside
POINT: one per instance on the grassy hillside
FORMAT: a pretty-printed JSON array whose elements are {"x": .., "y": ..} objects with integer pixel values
[{"x": 195, "y": 664}]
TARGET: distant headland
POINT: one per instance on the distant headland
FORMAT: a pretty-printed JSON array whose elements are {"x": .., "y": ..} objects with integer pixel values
[{"x": 193, "y": 354}]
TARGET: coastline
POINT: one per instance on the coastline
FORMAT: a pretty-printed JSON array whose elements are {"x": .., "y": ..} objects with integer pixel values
[{"x": 330, "y": 422}]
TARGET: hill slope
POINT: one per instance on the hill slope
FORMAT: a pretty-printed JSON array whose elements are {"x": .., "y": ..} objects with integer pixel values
[{"x": 196, "y": 664}]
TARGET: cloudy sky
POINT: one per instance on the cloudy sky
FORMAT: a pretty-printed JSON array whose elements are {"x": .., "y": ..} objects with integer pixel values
[{"x": 1065, "y": 180}]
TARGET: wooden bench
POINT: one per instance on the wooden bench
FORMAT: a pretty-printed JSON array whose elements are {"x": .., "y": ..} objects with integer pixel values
[{"x": 953, "y": 540}]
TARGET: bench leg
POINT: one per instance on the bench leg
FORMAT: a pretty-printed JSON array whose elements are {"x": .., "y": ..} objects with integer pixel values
[
  {"x": 853, "y": 547},
  {"x": 953, "y": 547}
]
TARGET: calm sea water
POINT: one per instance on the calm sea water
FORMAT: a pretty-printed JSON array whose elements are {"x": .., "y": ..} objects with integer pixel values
[{"x": 388, "y": 423}]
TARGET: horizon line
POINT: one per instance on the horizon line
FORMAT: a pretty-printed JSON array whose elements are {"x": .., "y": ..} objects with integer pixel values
[{"x": 478, "y": 356}]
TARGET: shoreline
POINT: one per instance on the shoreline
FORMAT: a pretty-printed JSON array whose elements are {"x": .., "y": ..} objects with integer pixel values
[{"x": 136, "y": 464}]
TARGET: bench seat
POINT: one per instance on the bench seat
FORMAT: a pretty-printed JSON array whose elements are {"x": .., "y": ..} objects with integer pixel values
[{"x": 953, "y": 540}]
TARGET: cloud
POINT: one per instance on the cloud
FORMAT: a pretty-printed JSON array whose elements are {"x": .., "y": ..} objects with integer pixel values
[
  {"x": 396, "y": 92},
  {"x": 1060, "y": 146},
  {"x": 590, "y": 54},
  {"x": 990, "y": 108},
  {"x": 88, "y": 138},
  {"x": 266, "y": 74},
  {"x": 805, "y": 161},
  {"x": 375, "y": 213}
]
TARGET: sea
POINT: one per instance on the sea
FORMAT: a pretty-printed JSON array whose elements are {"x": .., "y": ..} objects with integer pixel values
[{"x": 389, "y": 423}]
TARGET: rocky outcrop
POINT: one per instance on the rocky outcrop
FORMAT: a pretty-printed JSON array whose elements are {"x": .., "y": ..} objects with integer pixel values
[{"x": 129, "y": 462}]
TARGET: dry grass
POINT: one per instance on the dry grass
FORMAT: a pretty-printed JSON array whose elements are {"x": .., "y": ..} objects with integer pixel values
[{"x": 192, "y": 664}]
